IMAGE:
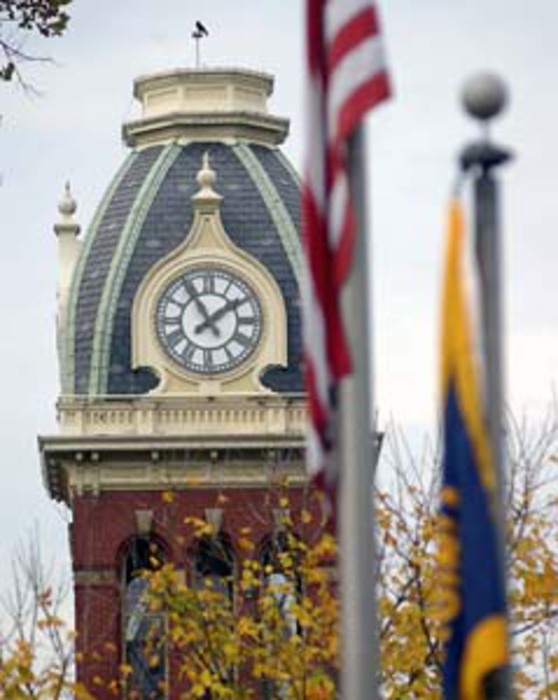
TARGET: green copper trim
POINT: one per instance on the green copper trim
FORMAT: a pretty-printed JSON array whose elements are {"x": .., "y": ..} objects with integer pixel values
[
  {"x": 278, "y": 211},
  {"x": 67, "y": 334},
  {"x": 100, "y": 359},
  {"x": 290, "y": 167}
]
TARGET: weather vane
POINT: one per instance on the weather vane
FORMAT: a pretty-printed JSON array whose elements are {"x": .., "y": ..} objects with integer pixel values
[{"x": 199, "y": 33}]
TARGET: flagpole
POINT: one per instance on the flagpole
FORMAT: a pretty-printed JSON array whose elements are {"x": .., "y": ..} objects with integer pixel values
[
  {"x": 359, "y": 655},
  {"x": 485, "y": 97}
]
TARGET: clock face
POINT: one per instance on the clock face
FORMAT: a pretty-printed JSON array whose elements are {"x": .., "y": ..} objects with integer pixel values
[{"x": 208, "y": 320}]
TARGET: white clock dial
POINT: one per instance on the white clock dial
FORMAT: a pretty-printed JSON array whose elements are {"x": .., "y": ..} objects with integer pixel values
[{"x": 208, "y": 320}]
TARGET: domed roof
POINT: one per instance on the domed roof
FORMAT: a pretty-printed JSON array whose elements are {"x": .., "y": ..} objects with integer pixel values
[{"x": 147, "y": 212}]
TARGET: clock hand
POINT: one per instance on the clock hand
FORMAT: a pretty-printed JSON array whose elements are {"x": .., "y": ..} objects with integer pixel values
[
  {"x": 201, "y": 308},
  {"x": 217, "y": 315}
]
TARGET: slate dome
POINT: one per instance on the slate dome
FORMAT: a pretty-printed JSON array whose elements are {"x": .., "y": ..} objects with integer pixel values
[{"x": 147, "y": 212}]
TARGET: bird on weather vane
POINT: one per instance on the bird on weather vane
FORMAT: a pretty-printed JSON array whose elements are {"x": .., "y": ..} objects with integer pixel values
[{"x": 200, "y": 31}]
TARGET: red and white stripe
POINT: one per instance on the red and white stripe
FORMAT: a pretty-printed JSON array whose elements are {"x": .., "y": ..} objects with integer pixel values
[{"x": 346, "y": 77}]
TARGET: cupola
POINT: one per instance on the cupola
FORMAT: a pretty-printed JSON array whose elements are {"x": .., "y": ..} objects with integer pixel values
[{"x": 194, "y": 104}]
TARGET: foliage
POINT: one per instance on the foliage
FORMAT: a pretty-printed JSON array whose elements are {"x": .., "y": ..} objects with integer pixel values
[
  {"x": 20, "y": 18},
  {"x": 229, "y": 651},
  {"x": 271, "y": 630},
  {"x": 36, "y": 646},
  {"x": 279, "y": 635}
]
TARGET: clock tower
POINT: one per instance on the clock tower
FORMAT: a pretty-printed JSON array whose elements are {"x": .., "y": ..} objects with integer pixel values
[{"x": 179, "y": 349}]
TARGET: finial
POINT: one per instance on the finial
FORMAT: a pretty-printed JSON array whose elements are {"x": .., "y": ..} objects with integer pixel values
[
  {"x": 67, "y": 205},
  {"x": 485, "y": 96},
  {"x": 206, "y": 178}
]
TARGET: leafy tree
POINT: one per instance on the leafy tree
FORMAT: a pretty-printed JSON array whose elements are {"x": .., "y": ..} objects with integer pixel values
[
  {"x": 36, "y": 643},
  {"x": 269, "y": 629},
  {"x": 231, "y": 651},
  {"x": 18, "y": 20},
  {"x": 277, "y": 640}
]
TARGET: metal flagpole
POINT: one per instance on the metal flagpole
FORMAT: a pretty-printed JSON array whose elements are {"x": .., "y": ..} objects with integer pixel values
[
  {"x": 485, "y": 97},
  {"x": 357, "y": 459}
]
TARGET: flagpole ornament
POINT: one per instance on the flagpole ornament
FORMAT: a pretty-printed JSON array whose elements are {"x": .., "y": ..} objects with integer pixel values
[{"x": 485, "y": 96}]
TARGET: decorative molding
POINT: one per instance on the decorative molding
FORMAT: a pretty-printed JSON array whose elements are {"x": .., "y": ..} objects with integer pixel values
[
  {"x": 67, "y": 231},
  {"x": 100, "y": 359},
  {"x": 281, "y": 218},
  {"x": 94, "y": 577},
  {"x": 66, "y": 478},
  {"x": 67, "y": 325},
  {"x": 290, "y": 167},
  {"x": 144, "y": 521},
  {"x": 214, "y": 517},
  {"x": 207, "y": 244},
  {"x": 230, "y": 127},
  {"x": 229, "y": 416},
  {"x": 186, "y": 443}
]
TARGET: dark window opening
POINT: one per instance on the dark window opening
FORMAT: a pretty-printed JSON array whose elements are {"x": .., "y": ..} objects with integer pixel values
[
  {"x": 143, "y": 630},
  {"x": 214, "y": 565}
]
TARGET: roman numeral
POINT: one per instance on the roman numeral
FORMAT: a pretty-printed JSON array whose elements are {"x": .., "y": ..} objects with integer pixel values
[
  {"x": 173, "y": 334},
  {"x": 246, "y": 320},
  {"x": 209, "y": 284},
  {"x": 172, "y": 310},
  {"x": 229, "y": 285},
  {"x": 241, "y": 339},
  {"x": 180, "y": 295},
  {"x": 207, "y": 358},
  {"x": 188, "y": 352}
]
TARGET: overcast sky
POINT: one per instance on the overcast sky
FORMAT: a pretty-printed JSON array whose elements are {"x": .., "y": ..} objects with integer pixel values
[{"x": 72, "y": 131}]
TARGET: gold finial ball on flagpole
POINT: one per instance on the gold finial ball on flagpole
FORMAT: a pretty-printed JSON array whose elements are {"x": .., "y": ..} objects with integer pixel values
[{"x": 484, "y": 96}]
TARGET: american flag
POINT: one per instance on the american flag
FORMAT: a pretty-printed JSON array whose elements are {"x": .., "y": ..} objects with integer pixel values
[{"x": 346, "y": 77}]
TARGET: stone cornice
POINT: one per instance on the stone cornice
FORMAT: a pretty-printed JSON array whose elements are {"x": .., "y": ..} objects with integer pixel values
[
  {"x": 78, "y": 466},
  {"x": 211, "y": 126},
  {"x": 123, "y": 443}
]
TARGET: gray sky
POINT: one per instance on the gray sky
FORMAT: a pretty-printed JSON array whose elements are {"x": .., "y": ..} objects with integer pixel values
[{"x": 72, "y": 131}]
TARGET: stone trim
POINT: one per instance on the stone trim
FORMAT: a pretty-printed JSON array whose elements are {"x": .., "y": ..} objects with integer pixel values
[
  {"x": 233, "y": 126},
  {"x": 84, "y": 479},
  {"x": 144, "y": 521},
  {"x": 233, "y": 416},
  {"x": 290, "y": 167},
  {"x": 194, "y": 76},
  {"x": 100, "y": 359},
  {"x": 86, "y": 467},
  {"x": 66, "y": 340},
  {"x": 95, "y": 577},
  {"x": 278, "y": 211}
]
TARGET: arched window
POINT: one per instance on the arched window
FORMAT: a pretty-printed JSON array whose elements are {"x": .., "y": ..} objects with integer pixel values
[
  {"x": 281, "y": 579},
  {"x": 213, "y": 564},
  {"x": 143, "y": 631}
]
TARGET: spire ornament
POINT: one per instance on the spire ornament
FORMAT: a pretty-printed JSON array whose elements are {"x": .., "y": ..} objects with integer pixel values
[
  {"x": 67, "y": 206},
  {"x": 206, "y": 178},
  {"x": 67, "y": 231}
]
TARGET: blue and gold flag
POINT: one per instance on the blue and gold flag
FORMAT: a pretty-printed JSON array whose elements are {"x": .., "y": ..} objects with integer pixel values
[{"x": 473, "y": 589}]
